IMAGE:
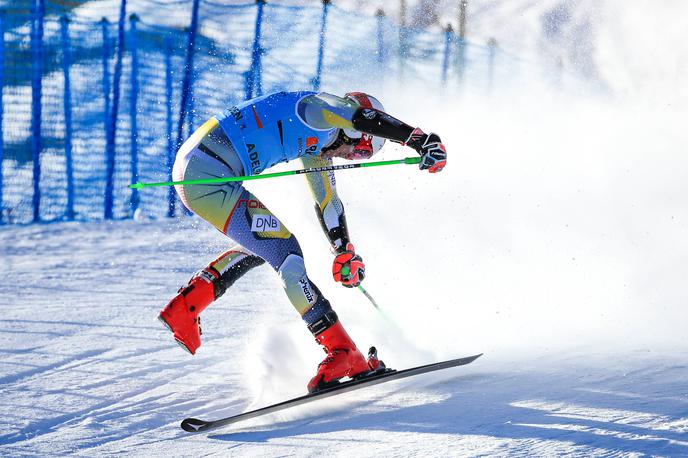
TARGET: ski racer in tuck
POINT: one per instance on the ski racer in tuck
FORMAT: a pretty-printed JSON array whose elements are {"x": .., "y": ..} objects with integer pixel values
[{"x": 248, "y": 139}]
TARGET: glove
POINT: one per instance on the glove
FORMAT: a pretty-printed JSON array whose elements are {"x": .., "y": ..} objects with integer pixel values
[
  {"x": 348, "y": 267},
  {"x": 431, "y": 150}
]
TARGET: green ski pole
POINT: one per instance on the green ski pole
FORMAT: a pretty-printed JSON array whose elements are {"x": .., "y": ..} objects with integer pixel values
[
  {"x": 407, "y": 160},
  {"x": 346, "y": 271}
]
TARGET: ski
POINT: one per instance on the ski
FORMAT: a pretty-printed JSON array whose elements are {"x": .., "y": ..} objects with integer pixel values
[{"x": 194, "y": 425}]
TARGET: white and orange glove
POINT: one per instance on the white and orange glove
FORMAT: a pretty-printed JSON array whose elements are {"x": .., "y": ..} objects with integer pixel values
[{"x": 348, "y": 267}]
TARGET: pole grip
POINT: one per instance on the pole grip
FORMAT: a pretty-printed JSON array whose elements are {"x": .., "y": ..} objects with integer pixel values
[{"x": 412, "y": 160}]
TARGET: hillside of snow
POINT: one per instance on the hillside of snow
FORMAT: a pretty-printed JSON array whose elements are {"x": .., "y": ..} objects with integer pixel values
[
  {"x": 555, "y": 253},
  {"x": 88, "y": 371},
  {"x": 554, "y": 242}
]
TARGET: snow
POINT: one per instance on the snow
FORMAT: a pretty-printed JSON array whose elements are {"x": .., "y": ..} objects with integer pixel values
[
  {"x": 555, "y": 253},
  {"x": 554, "y": 242},
  {"x": 87, "y": 370}
]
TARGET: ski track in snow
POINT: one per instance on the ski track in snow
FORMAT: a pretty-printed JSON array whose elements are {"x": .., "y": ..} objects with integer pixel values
[{"x": 87, "y": 371}]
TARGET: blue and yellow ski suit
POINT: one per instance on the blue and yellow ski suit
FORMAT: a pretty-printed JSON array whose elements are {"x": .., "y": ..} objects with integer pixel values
[{"x": 246, "y": 140}]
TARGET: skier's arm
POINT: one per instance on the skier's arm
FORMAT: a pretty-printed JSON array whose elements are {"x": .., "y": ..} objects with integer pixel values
[
  {"x": 380, "y": 124},
  {"x": 330, "y": 212},
  {"x": 328, "y": 206},
  {"x": 325, "y": 110}
]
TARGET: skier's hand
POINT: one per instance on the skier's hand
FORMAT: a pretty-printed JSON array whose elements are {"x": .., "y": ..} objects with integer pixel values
[
  {"x": 430, "y": 148},
  {"x": 348, "y": 267}
]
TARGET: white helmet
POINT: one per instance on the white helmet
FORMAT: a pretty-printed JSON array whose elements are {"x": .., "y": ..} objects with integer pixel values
[{"x": 365, "y": 145}]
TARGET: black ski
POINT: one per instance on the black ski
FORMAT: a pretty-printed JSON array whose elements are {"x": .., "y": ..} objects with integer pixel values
[{"x": 194, "y": 425}]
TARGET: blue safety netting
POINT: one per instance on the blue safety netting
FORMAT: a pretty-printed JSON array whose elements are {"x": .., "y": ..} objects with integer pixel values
[{"x": 57, "y": 161}]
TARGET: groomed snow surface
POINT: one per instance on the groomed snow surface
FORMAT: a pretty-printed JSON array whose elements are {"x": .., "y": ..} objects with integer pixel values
[
  {"x": 554, "y": 242},
  {"x": 87, "y": 370}
]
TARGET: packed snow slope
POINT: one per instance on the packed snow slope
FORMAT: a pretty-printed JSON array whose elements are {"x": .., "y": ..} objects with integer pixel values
[{"x": 554, "y": 242}]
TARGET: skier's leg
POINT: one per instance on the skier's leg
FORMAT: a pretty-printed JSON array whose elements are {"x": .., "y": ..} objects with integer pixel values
[
  {"x": 231, "y": 209},
  {"x": 181, "y": 315},
  {"x": 231, "y": 266},
  {"x": 207, "y": 153},
  {"x": 240, "y": 215},
  {"x": 255, "y": 227}
]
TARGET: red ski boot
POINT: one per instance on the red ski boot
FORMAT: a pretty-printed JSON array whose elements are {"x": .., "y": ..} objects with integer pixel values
[
  {"x": 181, "y": 314},
  {"x": 343, "y": 358}
]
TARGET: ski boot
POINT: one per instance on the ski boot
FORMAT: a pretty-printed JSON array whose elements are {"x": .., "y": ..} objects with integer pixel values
[
  {"x": 181, "y": 314},
  {"x": 343, "y": 358}
]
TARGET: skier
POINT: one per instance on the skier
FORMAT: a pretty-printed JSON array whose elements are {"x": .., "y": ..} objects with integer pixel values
[{"x": 248, "y": 139}]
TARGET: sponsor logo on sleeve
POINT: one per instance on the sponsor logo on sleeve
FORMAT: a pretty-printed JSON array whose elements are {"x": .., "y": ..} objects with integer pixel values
[{"x": 368, "y": 113}]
